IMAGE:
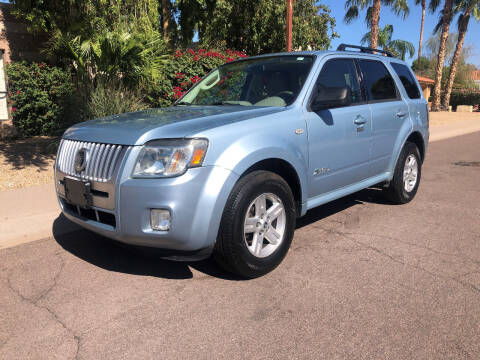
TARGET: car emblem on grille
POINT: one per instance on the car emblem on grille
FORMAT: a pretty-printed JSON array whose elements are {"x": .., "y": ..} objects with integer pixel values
[{"x": 80, "y": 160}]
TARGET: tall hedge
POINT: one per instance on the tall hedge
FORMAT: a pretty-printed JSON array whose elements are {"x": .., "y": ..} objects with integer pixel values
[
  {"x": 465, "y": 97},
  {"x": 39, "y": 97}
]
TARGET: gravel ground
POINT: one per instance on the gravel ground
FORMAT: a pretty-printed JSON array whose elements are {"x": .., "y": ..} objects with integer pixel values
[
  {"x": 26, "y": 162},
  {"x": 29, "y": 162}
]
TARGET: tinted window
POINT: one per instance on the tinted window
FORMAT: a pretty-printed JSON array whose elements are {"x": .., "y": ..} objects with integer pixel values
[
  {"x": 379, "y": 82},
  {"x": 407, "y": 80},
  {"x": 340, "y": 73}
]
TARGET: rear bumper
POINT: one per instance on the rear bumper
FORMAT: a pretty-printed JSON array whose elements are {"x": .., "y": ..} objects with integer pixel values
[{"x": 196, "y": 201}]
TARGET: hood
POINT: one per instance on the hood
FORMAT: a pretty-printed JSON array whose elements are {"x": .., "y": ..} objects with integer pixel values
[{"x": 173, "y": 122}]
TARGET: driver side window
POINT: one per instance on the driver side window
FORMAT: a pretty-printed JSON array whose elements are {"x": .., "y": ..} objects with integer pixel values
[{"x": 340, "y": 73}]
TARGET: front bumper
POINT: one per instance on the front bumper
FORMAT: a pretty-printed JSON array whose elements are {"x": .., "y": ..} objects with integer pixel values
[{"x": 196, "y": 201}]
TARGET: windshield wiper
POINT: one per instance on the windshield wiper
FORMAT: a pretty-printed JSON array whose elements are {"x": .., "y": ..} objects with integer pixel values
[
  {"x": 182, "y": 103},
  {"x": 225, "y": 102}
]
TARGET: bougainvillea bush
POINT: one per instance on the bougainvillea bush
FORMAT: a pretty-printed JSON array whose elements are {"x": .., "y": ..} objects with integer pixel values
[
  {"x": 39, "y": 96},
  {"x": 183, "y": 69}
]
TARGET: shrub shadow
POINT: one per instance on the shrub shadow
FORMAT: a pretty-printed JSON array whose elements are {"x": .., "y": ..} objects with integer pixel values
[{"x": 22, "y": 153}]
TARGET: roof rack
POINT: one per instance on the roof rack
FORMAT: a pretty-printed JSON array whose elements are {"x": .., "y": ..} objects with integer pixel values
[{"x": 363, "y": 49}]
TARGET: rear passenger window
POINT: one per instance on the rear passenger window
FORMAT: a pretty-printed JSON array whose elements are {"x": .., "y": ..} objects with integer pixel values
[
  {"x": 340, "y": 73},
  {"x": 379, "y": 82},
  {"x": 407, "y": 80}
]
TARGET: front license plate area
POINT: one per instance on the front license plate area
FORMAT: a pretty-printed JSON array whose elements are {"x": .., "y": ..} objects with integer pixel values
[{"x": 78, "y": 192}]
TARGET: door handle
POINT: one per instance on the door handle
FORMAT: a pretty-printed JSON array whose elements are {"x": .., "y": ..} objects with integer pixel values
[
  {"x": 401, "y": 114},
  {"x": 360, "y": 120}
]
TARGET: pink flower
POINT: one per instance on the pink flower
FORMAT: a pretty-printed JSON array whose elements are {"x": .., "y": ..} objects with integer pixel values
[
  {"x": 14, "y": 109},
  {"x": 40, "y": 65},
  {"x": 196, "y": 58},
  {"x": 179, "y": 75},
  {"x": 191, "y": 52},
  {"x": 195, "y": 79},
  {"x": 240, "y": 54},
  {"x": 230, "y": 59},
  {"x": 178, "y": 53},
  {"x": 18, "y": 92}
]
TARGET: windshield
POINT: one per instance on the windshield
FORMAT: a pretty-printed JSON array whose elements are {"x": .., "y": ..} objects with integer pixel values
[{"x": 268, "y": 81}]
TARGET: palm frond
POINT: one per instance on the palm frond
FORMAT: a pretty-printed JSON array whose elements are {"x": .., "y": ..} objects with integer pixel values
[
  {"x": 433, "y": 5},
  {"x": 351, "y": 14},
  {"x": 403, "y": 47}
]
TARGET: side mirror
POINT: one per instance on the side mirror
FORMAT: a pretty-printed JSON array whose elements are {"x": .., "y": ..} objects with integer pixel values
[{"x": 331, "y": 97}]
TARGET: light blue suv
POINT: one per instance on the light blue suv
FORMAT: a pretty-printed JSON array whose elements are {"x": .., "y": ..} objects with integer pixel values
[{"x": 254, "y": 145}]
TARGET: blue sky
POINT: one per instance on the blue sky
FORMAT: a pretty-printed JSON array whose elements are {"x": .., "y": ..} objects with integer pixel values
[{"x": 408, "y": 29}]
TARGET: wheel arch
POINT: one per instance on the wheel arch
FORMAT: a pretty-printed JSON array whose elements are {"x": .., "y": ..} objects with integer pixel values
[
  {"x": 417, "y": 138},
  {"x": 285, "y": 170}
]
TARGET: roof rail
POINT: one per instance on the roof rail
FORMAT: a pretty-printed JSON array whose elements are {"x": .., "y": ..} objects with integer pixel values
[{"x": 363, "y": 49}]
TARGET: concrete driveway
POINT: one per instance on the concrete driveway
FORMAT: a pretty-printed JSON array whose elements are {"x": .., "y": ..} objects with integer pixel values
[{"x": 364, "y": 280}]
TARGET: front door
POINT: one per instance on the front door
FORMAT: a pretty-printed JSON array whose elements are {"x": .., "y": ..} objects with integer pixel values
[{"x": 339, "y": 138}]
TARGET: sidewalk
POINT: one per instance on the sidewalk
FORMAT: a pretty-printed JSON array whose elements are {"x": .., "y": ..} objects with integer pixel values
[
  {"x": 444, "y": 125},
  {"x": 28, "y": 214}
]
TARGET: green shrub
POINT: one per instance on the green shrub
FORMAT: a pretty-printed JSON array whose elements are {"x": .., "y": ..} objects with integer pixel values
[
  {"x": 112, "y": 98},
  {"x": 465, "y": 97},
  {"x": 39, "y": 97},
  {"x": 182, "y": 70}
]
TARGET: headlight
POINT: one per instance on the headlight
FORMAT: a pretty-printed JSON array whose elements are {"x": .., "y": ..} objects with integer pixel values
[{"x": 166, "y": 158}]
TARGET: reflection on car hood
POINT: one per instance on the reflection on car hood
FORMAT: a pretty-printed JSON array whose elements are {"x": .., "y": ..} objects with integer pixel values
[{"x": 173, "y": 122}]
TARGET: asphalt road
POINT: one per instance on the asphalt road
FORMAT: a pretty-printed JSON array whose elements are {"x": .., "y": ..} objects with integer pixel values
[{"x": 363, "y": 280}]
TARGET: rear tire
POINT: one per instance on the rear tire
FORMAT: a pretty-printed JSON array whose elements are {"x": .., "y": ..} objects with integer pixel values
[
  {"x": 257, "y": 225},
  {"x": 406, "y": 178}
]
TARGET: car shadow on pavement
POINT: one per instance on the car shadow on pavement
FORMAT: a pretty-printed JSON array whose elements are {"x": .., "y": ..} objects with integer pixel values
[
  {"x": 370, "y": 195},
  {"x": 114, "y": 256}
]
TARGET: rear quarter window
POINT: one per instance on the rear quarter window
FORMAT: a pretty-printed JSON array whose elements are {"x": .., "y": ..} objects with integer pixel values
[
  {"x": 380, "y": 84},
  {"x": 407, "y": 79}
]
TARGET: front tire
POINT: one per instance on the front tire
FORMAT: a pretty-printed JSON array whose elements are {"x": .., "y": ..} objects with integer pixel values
[
  {"x": 257, "y": 225},
  {"x": 406, "y": 178}
]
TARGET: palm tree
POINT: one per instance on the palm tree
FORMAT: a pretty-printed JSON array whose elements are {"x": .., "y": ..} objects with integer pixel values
[
  {"x": 424, "y": 5},
  {"x": 447, "y": 14},
  {"x": 384, "y": 40},
  {"x": 372, "y": 16},
  {"x": 468, "y": 8}
]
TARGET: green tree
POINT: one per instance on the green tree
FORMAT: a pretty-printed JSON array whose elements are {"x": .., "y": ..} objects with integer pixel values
[
  {"x": 423, "y": 3},
  {"x": 87, "y": 16},
  {"x": 384, "y": 39},
  {"x": 372, "y": 16},
  {"x": 255, "y": 26},
  {"x": 446, "y": 18},
  {"x": 467, "y": 9}
]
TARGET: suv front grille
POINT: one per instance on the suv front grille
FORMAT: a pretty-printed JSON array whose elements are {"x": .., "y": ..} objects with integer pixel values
[{"x": 98, "y": 160}]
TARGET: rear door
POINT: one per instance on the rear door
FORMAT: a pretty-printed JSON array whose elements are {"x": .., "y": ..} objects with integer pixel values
[
  {"x": 339, "y": 138},
  {"x": 389, "y": 112},
  {"x": 417, "y": 105}
]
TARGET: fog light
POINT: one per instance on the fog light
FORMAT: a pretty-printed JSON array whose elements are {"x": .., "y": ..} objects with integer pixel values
[{"x": 160, "y": 219}]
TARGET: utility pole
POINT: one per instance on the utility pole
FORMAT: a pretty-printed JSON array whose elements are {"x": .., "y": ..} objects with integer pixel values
[{"x": 289, "y": 24}]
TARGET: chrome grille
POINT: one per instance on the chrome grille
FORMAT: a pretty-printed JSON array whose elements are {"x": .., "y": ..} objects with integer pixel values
[{"x": 101, "y": 159}]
